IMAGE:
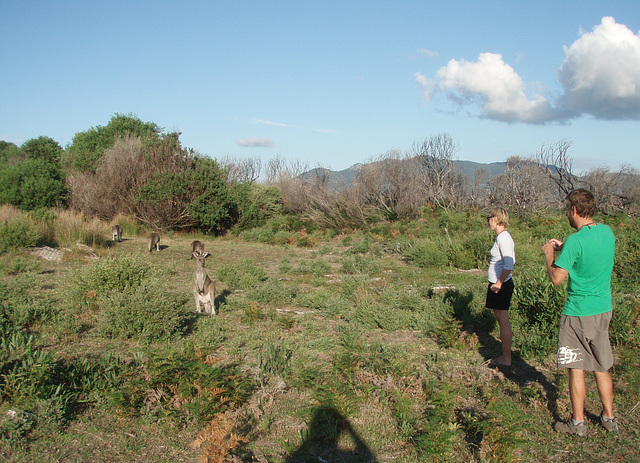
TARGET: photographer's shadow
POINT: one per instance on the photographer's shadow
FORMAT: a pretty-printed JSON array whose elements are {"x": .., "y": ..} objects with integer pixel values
[{"x": 320, "y": 442}]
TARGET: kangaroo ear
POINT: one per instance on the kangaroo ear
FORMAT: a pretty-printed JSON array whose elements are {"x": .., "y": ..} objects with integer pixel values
[
  {"x": 206, "y": 254},
  {"x": 195, "y": 254}
]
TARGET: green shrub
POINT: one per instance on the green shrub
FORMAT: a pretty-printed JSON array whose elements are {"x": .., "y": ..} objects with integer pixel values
[
  {"x": 317, "y": 267},
  {"x": 462, "y": 258},
  {"x": 626, "y": 269},
  {"x": 272, "y": 292},
  {"x": 184, "y": 386},
  {"x": 243, "y": 274},
  {"x": 537, "y": 305},
  {"x": 263, "y": 234},
  {"x": 359, "y": 265},
  {"x": 323, "y": 300},
  {"x": 257, "y": 203},
  {"x": 116, "y": 273},
  {"x": 624, "y": 328},
  {"x": 20, "y": 310},
  {"x": 147, "y": 313},
  {"x": 275, "y": 358},
  {"x": 426, "y": 253},
  {"x": 33, "y": 184},
  {"x": 210, "y": 332},
  {"x": 18, "y": 233}
]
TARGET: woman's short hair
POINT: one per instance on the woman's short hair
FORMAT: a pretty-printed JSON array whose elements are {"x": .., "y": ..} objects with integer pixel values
[
  {"x": 583, "y": 201},
  {"x": 501, "y": 215}
]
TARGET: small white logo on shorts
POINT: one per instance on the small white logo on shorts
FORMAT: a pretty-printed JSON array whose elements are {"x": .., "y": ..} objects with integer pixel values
[{"x": 568, "y": 355}]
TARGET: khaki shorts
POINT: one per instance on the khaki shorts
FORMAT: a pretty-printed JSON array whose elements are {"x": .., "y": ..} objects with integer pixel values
[{"x": 583, "y": 342}]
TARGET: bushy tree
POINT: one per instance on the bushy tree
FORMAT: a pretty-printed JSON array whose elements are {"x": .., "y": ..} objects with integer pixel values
[
  {"x": 213, "y": 206},
  {"x": 88, "y": 147},
  {"x": 31, "y": 176},
  {"x": 256, "y": 203},
  {"x": 10, "y": 153},
  {"x": 45, "y": 148}
]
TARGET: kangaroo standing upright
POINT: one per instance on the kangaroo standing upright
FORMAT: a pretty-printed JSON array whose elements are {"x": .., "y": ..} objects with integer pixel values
[
  {"x": 116, "y": 232},
  {"x": 154, "y": 241},
  {"x": 204, "y": 289}
]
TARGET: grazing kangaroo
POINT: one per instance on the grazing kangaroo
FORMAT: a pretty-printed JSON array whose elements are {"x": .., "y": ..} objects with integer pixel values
[
  {"x": 116, "y": 231},
  {"x": 154, "y": 241},
  {"x": 204, "y": 289},
  {"x": 197, "y": 246}
]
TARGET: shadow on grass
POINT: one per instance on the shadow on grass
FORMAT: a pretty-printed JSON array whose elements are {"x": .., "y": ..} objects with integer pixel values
[
  {"x": 320, "y": 442},
  {"x": 520, "y": 372},
  {"x": 221, "y": 299}
]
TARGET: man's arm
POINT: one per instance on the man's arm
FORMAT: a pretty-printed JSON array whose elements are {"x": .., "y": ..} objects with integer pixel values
[{"x": 557, "y": 274}]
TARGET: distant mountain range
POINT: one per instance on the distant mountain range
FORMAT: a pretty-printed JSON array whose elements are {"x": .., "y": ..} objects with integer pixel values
[{"x": 468, "y": 168}]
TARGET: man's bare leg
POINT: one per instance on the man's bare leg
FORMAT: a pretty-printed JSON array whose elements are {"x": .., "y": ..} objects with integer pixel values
[
  {"x": 577, "y": 392},
  {"x": 605, "y": 389}
]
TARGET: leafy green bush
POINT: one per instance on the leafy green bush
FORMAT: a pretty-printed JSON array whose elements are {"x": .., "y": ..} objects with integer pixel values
[
  {"x": 623, "y": 328},
  {"x": 87, "y": 147},
  {"x": 19, "y": 309},
  {"x": 263, "y": 234},
  {"x": 183, "y": 385},
  {"x": 275, "y": 357},
  {"x": 244, "y": 274},
  {"x": 626, "y": 269},
  {"x": 317, "y": 267},
  {"x": 537, "y": 308},
  {"x": 116, "y": 273},
  {"x": 272, "y": 292},
  {"x": 33, "y": 184},
  {"x": 323, "y": 300},
  {"x": 257, "y": 203},
  {"x": 211, "y": 332},
  {"x": 213, "y": 206},
  {"x": 359, "y": 265},
  {"x": 427, "y": 253},
  {"x": 147, "y": 313},
  {"x": 18, "y": 233}
]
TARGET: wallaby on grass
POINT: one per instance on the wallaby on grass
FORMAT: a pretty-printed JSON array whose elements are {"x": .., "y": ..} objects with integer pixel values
[
  {"x": 204, "y": 289},
  {"x": 197, "y": 246},
  {"x": 154, "y": 241},
  {"x": 116, "y": 232}
]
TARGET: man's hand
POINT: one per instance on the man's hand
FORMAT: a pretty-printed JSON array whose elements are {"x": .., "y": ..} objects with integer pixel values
[{"x": 549, "y": 248}]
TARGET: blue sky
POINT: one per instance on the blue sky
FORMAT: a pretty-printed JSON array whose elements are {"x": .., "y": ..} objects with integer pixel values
[{"x": 331, "y": 83}]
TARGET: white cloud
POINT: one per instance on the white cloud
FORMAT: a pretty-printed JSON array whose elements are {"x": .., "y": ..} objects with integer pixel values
[
  {"x": 600, "y": 76},
  {"x": 255, "y": 142},
  {"x": 426, "y": 85},
  {"x": 280, "y": 124},
  {"x": 428, "y": 53},
  {"x": 496, "y": 86},
  {"x": 601, "y": 72}
]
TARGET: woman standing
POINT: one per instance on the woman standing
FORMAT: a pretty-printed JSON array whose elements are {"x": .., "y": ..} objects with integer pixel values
[{"x": 500, "y": 289}]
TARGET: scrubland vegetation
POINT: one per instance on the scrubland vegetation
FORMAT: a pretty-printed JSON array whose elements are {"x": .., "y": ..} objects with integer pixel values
[{"x": 351, "y": 321}]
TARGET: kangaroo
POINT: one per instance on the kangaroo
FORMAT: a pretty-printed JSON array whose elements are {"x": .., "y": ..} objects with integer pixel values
[
  {"x": 197, "y": 246},
  {"x": 204, "y": 289},
  {"x": 116, "y": 232},
  {"x": 154, "y": 241}
]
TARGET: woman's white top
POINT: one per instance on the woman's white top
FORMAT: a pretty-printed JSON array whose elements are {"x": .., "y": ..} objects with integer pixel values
[{"x": 503, "y": 256}]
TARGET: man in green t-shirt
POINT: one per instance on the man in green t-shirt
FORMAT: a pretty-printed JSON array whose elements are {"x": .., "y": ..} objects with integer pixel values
[{"x": 583, "y": 337}]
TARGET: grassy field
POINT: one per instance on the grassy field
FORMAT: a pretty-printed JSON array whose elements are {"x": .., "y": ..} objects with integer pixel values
[{"x": 329, "y": 348}]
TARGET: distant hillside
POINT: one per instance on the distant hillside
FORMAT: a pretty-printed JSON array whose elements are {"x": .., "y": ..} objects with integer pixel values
[{"x": 346, "y": 176}]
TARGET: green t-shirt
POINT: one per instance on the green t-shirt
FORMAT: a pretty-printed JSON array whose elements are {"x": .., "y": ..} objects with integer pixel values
[{"x": 588, "y": 257}]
